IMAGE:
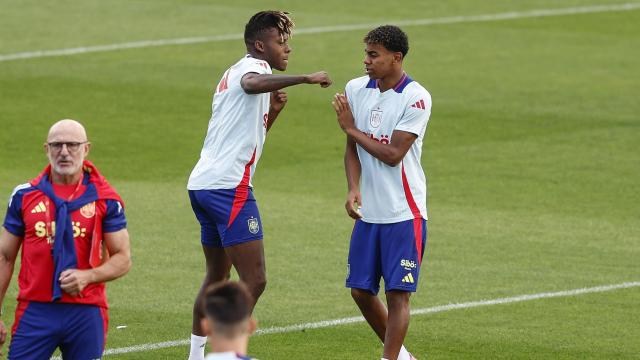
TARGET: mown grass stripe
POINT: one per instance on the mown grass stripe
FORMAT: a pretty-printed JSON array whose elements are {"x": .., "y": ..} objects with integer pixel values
[
  {"x": 324, "y": 29},
  {"x": 358, "y": 319}
]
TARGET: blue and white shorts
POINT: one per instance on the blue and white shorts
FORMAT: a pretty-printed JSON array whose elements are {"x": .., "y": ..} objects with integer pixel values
[
  {"x": 227, "y": 216},
  {"x": 389, "y": 251}
]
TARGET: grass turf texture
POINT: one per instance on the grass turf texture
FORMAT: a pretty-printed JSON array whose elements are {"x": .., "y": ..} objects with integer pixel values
[{"x": 531, "y": 155}]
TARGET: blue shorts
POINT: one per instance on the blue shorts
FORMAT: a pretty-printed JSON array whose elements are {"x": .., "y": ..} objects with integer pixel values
[
  {"x": 391, "y": 251},
  {"x": 227, "y": 216},
  {"x": 78, "y": 330}
]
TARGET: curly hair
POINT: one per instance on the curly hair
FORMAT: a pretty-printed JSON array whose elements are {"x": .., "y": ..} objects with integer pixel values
[
  {"x": 389, "y": 36},
  {"x": 265, "y": 20}
]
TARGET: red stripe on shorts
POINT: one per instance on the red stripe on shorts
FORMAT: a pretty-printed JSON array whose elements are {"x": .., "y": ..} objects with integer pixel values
[
  {"x": 242, "y": 191},
  {"x": 22, "y": 306},
  {"x": 105, "y": 323}
]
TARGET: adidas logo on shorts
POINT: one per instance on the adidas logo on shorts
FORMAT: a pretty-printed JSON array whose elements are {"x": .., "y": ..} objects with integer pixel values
[{"x": 408, "y": 279}]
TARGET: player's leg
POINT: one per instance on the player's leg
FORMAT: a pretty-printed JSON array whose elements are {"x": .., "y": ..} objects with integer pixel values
[
  {"x": 85, "y": 332},
  {"x": 401, "y": 251},
  {"x": 248, "y": 259},
  {"x": 383, "y": 322},
  {"x": 397, "y": 322},
  {"x": 372, "y": 309},
  {"x": 205, "y": 204},
  {"x": 35, "y": 333},
  {"x": 242, "y": 240},
  {"x": 364, "y": 274},
  {"x": 218, "y": 266}
]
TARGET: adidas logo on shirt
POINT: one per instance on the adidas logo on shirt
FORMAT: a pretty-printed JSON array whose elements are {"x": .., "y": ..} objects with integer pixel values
[
  {"x": 39, "y": 208},
  {"x": 408, "y": 279},
  {"x": 419, "y": 105}
]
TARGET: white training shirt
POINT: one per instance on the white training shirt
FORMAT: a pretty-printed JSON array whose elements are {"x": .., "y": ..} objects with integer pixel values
[
  {"x": 236, "y": 133},
  {"x": 398, "y": 193}
]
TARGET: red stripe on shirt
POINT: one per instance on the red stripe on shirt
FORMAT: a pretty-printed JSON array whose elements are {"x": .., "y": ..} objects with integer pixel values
[
  {"x": 417, "y": 217},
  {"x": 417, "y": 231},
  {"x": 242, "y": 191}
]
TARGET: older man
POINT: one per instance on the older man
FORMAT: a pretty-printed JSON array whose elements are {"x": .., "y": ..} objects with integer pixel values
[{"x": 72, "y": 229}]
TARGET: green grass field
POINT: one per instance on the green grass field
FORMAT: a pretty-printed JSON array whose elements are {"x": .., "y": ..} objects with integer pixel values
[{"x": 532, "y": 154}]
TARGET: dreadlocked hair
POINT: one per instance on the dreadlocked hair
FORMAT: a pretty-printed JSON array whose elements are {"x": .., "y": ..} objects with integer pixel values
[
  {"x": 389, "y": 36},
  {"x": 264, "y": 20}
]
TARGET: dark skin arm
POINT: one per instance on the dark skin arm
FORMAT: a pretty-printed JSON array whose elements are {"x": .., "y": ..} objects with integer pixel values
[
  {"x": 277, "y": 103},
  {"x": 253, "y": 83},
  {"x": 391, "y": 154},
  {"x": 353, "y": 170}
]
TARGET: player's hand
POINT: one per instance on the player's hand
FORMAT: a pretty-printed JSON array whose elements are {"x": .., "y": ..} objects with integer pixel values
[
  {"x": 343, "y": 111},
  {"x": 320, "y": 77},
  {"x": 353, "y": 204},
  {"x": 73, "y": 281},
  {"x": 3, "y": 335},
  {"x": 278, "y": 100}
]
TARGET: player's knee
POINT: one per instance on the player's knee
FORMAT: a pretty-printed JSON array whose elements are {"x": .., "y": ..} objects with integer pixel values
[
  {"x": 360, "y": 296},
  {"x": 398, "y": 299},
  {"x": 256, "y": 285}
]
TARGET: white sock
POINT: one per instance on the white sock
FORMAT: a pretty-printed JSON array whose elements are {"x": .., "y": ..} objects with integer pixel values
[
  {"x": 404, "y": 354},
  {"x": 197, "y": 347}
]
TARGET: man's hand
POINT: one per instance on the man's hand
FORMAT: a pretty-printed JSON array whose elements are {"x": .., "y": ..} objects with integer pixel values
[
  {"x": 73, "y": 281},
  {"x": 3, "y": 335},
  {"x": 343, "y": 111},
  {"x": 278, "y": 100},
  {"x": 353, "y": 198},
  {"x": 320, "y": 77}
]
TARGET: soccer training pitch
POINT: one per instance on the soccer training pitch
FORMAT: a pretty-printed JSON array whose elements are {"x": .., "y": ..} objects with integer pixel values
[{"x": 532, "y": 154}]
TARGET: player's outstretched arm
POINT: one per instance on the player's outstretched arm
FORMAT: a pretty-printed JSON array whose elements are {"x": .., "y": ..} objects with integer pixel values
[
  {"x": 73, "y": 281},
  {"x": 390, "y": 153},
  {"x": 9, "y": 247},
  {"x": 253, "y": 83}
]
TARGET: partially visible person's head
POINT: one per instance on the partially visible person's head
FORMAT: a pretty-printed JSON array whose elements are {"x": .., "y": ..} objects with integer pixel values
[
  {"x": 227, "y": 308},
  {"x": 67, "y": 146},
  {"x": 267, "y": 36},
  {"x": 386, "y": 47}
]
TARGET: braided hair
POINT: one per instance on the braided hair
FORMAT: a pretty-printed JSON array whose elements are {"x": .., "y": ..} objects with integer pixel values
[{"x": 265, "y": 20}]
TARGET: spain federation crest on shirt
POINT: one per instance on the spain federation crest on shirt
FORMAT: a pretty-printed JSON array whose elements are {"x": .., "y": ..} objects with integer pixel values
[
  {"x": 376, "y": 118},
  {"x": 89, "y": 210},
  {"x": 253, "y": 225}
]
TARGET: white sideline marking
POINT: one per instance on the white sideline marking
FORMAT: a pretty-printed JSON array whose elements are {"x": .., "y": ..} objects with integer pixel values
[
  {"x": 358, "y": 319},
  {"x": 326, "y": 29}
]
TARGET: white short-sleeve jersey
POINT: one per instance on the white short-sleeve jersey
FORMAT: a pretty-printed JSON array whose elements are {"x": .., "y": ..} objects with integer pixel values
[
  {"x": 391, "y": 194},
  {"x": 236, "y": 132}
]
